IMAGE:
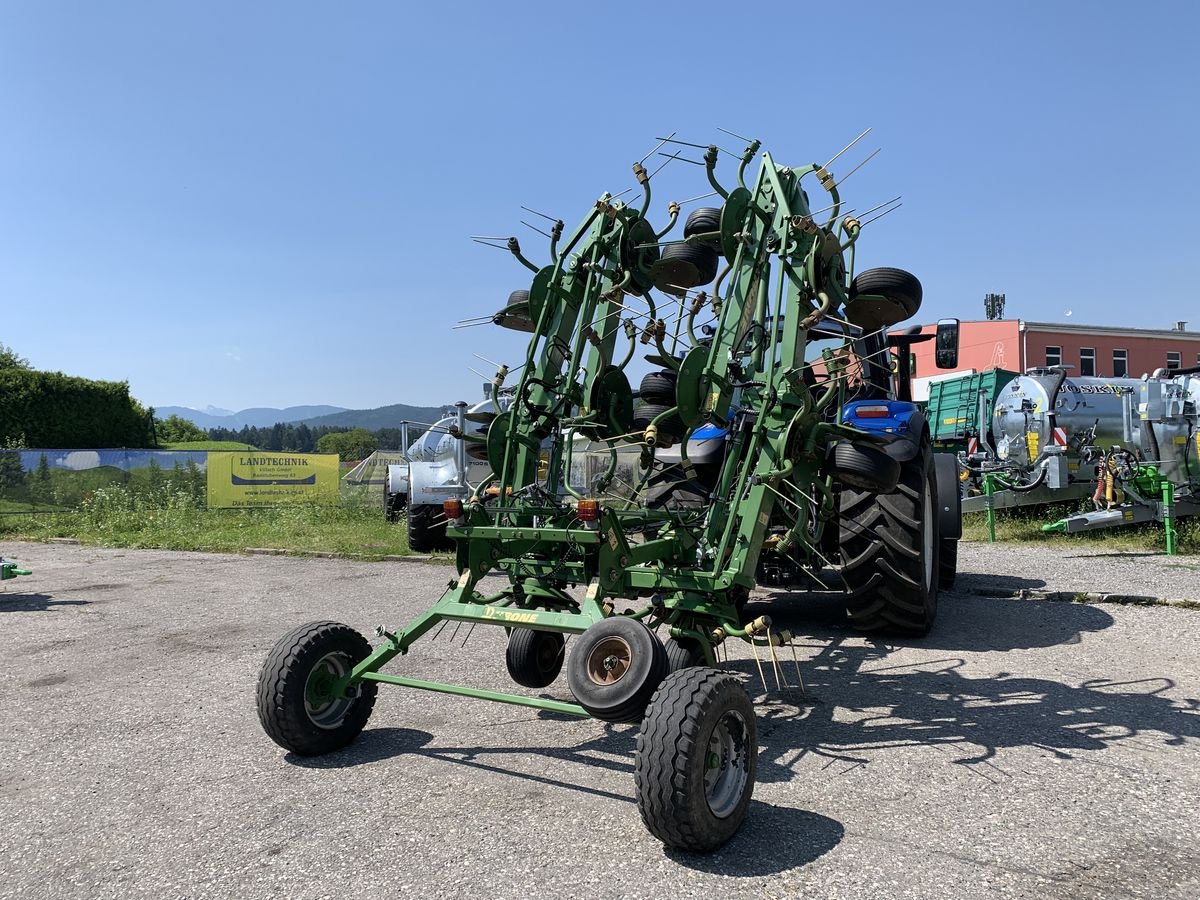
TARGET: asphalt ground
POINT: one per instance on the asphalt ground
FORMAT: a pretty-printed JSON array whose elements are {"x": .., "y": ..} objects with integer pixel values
[{"x": 1024, "y": 748}]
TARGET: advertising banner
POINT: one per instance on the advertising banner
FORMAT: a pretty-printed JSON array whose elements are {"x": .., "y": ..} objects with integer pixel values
[{"x": 253, "y": 478}]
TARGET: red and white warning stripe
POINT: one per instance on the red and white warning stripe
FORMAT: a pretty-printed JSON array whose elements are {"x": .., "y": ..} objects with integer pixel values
[
  {"x": 1059, "y": 438},
  {"x": 972, "y": 446}
]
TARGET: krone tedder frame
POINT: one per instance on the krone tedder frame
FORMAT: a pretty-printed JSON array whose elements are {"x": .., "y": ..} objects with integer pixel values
[{"x": 650, "y": 583}]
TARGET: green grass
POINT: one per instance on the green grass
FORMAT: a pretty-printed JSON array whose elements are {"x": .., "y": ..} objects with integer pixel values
[
  {"x": 208, "y": 445},
  {"x": 172, "y": 520},
  {"x": 1024, "y": 525}
]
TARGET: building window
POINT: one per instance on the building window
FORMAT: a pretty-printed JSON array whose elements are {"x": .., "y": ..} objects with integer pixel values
[
  {"x": 1087, "y": 360},
  {"x": 1174, "y": 360},
  {"x": 1054, "y": 356},
  {"x": 1120, "y": 363}
]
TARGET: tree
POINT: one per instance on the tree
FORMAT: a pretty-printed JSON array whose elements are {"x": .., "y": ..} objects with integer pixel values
[
  {"x": 40, "y": 489},
  {"x": 349, "y": 445},
  {"x": 176, "y": 429},
  {"x": 10, "y": 360}
]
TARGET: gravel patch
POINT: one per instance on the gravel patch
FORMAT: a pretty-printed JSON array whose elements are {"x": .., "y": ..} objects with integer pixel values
[{"x": 1022, "y": 749}]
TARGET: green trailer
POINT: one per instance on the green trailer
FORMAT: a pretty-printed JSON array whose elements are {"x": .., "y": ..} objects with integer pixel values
[{"x": 953, "y": 409}]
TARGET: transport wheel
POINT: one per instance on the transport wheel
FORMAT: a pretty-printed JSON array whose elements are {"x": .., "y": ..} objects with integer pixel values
[
  {"x": 427, "y": 528},
  {"x": 659, "y": 387},
  {"x": 947, "y": 563},
  {"x": 296, "y": 704},
  {"x": 696, "y": 758},
  {"x": 685, "y": 266},
  {"x": 889, "y": 548},
  {"x": 614, "y": 669},
  {"x": 683, "y": 653},
  {"x": 902, "y": 288},
  {"x": 669, "y": 430},
  {"x": 865, "y": 467},
  {"x": 705, "y": 220},
  {"x": 534, "y": 658}
]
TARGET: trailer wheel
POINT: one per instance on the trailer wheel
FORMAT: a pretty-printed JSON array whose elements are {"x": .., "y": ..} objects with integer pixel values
[
  {"x": 614, "y": 669},
  {"x": 697, "y": 754},
  {"x": 947, "y": 563},
  {"x": 427, "y": 528},
  {"x": 705, "y": 220},
  {"x": 669, "y": 431},
  {"x": 889, "y": 547},
  {"x": 394, "y": 506},
  {"x": 534, "y": 658},
  {"x": 683, "y": 653},
  {"x": 296, "y": 705}
]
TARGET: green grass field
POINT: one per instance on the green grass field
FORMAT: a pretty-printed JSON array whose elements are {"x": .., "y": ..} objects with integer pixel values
[
  {"x": 173, "y": 520},
  {"x": 1025, "y": 526}
]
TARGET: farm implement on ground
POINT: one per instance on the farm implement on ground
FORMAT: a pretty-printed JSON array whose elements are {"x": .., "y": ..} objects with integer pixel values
[{"x": 772, "y": 441}]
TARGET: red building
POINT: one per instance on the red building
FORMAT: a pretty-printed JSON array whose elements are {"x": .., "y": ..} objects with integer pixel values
[{"x": 1099, "y": 350}]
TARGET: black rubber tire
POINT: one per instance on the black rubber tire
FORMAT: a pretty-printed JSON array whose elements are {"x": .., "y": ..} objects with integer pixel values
[
  {"x": 394, "y": 507},
  {"x": 659, "y": 387},
  {"x": 620, "y": 645},
  {"x": 885, "y": 542},
  {"x": 864, "y": 467},
  {"x": 902, "y": 288},
  {"x": 534, "y": 658},
  {"x": 704, "y": 220},
  {"x": 683, "y": 654},
  {"x": 328, "y": 649},
  {"x": 686, "y": 266},
  {"x": 427, "y": 529},
  {"x": 670, "y": 430},
  {"x": 517, "y": 297},
  {"x": 947, "y": 563},
  {"x": 673, "y": 748}
]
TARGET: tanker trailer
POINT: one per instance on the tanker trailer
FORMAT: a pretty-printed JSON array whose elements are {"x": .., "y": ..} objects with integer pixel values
[
  {"x": 1128, "y": 443},
  {"x": 1155, "y": 475}
]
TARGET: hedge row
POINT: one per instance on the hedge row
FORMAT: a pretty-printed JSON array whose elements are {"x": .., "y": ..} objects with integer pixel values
[{"x": 50, "y": 409}]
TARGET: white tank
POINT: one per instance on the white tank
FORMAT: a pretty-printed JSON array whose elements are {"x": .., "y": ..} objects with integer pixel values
[{"x": 1159, "y": 418}]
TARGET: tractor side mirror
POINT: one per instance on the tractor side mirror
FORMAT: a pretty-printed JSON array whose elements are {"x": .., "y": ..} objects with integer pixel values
[{"x": 945, "y": 346}]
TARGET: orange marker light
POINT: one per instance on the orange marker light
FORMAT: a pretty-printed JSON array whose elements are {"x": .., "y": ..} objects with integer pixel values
[
  {"x": 588, "y": 510},
  {"x": 452, "y": 508}
]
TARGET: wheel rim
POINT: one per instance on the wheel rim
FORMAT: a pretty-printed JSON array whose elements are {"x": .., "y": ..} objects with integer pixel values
[
  {"x": 323, "y": 708},
  {"x": 609, "y": 660},
  {"x": 727, "y": 764},
  {"x": 928, "y": 536}
]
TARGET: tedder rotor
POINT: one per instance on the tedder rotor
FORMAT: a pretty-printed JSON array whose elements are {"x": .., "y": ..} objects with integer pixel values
[{"x": 607, "y": 529}]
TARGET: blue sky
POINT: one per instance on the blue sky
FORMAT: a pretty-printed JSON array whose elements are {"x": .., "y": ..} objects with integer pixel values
[{"x": 268, "y": 204}]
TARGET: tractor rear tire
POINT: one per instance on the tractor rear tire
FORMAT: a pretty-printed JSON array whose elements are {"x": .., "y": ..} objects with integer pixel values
[
  {"x": 295, "y": 706},
  {"x": 534, "y": 658},
  {"x": 697, "y": 755},
  {"x": 426, "y": 534},
  {"x": 614, "y": 669},
  {"x": 889, "y": 547},
  {"x": 947, "y": 563}
]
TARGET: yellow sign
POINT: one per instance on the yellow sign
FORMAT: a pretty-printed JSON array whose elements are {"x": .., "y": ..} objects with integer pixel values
[{"x": 245, "y": 479}]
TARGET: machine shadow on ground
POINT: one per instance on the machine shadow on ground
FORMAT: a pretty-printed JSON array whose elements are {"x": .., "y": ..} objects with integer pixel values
[{"x": 34, "y": 602}]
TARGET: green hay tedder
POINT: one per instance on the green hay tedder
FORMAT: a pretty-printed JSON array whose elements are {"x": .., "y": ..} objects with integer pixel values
[{"x": 773, "y": 442}]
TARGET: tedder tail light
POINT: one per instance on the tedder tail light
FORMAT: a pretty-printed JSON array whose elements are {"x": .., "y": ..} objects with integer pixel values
[
  {"x": 872, "y": 412},
  {"x": 453, "y": 509},
  {"x": 588, "y": 511}
]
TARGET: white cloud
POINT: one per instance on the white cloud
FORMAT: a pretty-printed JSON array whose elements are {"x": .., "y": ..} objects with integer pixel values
[{"x": 80, "y": 459}]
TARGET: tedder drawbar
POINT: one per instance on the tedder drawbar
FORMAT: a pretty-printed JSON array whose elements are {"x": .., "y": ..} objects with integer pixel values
[{"x": 810, "y": 462}]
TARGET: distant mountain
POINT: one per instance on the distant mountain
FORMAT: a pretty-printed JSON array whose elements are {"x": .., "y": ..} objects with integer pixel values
[
  {"x": 258, "y": 417},
  {"x": 381, "y": 417}
]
